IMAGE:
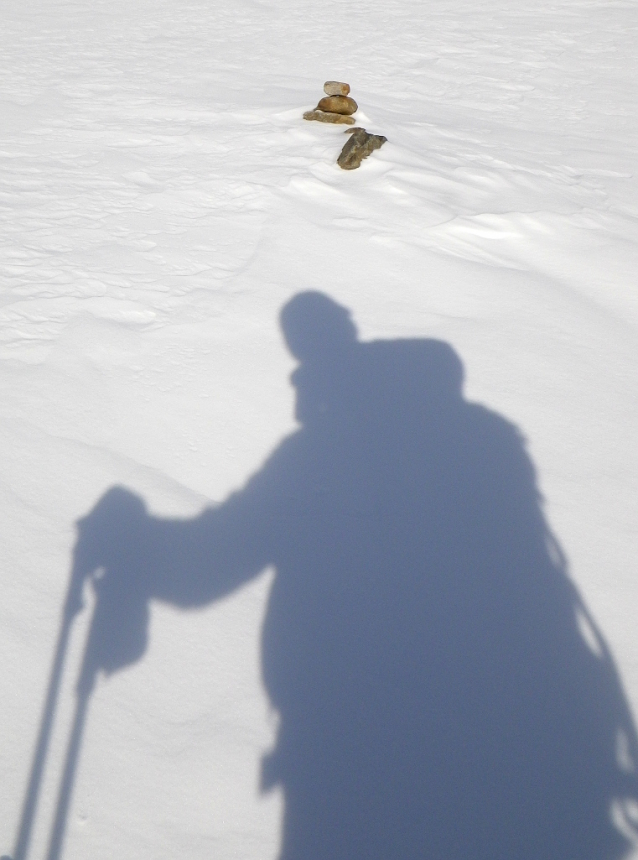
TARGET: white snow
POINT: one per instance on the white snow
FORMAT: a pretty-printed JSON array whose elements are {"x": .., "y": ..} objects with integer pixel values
[{"x": 161, "y": 199}]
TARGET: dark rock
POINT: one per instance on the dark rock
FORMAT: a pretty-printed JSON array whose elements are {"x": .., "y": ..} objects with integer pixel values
[
  {"x": 338, "y": 104},
  {"x": 358, "y": 147},
  {"x": 326, "y": 116}
]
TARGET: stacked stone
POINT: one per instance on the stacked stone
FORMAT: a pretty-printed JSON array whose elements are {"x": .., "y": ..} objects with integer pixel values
[{"x": 336, "y": 106}]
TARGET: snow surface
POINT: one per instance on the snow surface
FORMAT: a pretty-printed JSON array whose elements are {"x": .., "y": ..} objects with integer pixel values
[{"x": 161, "y": 200}]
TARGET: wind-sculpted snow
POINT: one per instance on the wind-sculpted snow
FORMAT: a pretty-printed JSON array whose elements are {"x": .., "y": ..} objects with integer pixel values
[{"x": 161, "y": 200}]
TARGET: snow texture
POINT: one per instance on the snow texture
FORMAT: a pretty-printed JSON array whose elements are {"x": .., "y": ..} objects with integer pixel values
[{"x": 327, "y": 602}]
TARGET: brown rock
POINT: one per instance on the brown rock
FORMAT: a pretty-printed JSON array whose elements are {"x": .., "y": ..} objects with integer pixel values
[
  {"x": 338, "y": 104},
  {"x": 359, "y": 146},
  {"x": 336, "y": 88},
  {"x": 326, "y": 116}
]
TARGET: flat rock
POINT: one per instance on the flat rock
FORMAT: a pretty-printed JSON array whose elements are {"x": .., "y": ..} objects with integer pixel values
[
  {"x": 338, "y": 104},
  {"x": 327, "y": 116},
  {"x": 358, "y": 147},
  {"x": 336, "y": 88}
]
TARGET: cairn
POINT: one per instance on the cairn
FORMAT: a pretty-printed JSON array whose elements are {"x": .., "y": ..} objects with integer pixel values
[{"x": 336, "y": 106}]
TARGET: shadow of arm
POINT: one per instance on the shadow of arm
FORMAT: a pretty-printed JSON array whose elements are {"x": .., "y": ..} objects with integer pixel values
[{"x": 193, "y": 562}]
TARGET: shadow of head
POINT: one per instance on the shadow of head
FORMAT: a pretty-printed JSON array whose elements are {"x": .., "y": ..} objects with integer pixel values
[
  {"x": 340, "y": 376},
  {"x": 316, "y": 328}
]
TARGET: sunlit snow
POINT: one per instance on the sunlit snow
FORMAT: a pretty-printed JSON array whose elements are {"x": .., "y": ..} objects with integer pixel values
[{"x": 161, "y": 201}]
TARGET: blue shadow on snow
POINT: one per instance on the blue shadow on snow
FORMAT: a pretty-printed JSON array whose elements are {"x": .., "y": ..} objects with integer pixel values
[{"x": 444, "y": 693}]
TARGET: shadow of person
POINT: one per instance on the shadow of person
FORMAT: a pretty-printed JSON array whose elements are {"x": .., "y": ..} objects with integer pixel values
[{"x": 442, "y": 689}]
